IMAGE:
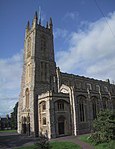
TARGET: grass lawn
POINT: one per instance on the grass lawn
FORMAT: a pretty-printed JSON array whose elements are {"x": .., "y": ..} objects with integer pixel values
[
  {"x": 64, "y": 145},
  {"x": 57, "y": 145},
  {"x": 110, "y": 145},
  {"x": 8, "y": 131}
]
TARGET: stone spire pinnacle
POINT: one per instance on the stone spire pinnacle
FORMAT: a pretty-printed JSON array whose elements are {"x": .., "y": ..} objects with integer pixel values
[
  {"x": 35, "y": 20},
  {"x": 28, "y": 25},
  {"x": 50, "y": 24},
  {"x": 36, "y": 16}
]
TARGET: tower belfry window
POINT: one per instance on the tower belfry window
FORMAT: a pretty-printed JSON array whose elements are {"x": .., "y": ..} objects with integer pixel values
[
  {"x": 43, "y": 45},
  {"x": 28, "y": 47},
  {"x": 44, "y": 71}
]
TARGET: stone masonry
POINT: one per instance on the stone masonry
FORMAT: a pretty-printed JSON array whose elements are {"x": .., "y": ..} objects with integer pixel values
[{"x": 52, "y": 102}]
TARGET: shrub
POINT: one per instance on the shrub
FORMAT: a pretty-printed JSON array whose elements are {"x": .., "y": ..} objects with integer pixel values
[
  {"x": 104, "y": 127},
  {"x": 43, "y": 142}
]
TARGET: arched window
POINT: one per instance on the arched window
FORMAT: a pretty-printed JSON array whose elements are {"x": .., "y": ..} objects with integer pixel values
[
  {"x": 43, "y": 106},
  {"x": 43, "y": 43},
  {"x": 105, "y": 102},
  {"x": 82, "y": 108},
  {"x": 27, "y": 98},
  {"x": 29, "y": 47},
  {"x": 94, "y": 107},
  {"x": 44, "y": 121},
  {"x": 60, "y": 105}
]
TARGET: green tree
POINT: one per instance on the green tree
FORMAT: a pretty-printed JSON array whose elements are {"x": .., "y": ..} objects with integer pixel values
[
  {"x": 14, "y": 117},
  {"x": 104, "y": 127}
]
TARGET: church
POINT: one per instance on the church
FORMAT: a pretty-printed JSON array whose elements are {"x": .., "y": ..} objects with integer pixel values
[{"x": 52, "y": 102}]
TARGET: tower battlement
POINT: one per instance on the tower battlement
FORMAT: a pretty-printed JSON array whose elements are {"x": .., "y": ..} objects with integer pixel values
[{"x": 36, "y": 23}]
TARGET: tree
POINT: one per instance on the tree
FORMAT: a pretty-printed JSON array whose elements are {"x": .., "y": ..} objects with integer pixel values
[
  {"x": 104, "y": 127},
  {"x": 14, "y": 117}
]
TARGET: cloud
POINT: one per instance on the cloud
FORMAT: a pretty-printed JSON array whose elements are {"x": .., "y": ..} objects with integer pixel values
[
  {"x": 91, "y": 51},
  {"x": 10, "y": 75},
  {"x": 71, "y": 15},
  {"x": 7, "y": 105},
  {"x": 60, "y": 33}
]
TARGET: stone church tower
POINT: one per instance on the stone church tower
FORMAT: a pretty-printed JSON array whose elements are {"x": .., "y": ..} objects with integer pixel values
[
  {"x": 52, "y": 102},
  {"x": 39, "y": 70}
]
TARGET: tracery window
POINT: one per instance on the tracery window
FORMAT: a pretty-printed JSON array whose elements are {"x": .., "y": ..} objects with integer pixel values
[
  {"x": 82, "y": 108},
  {"x": 60, "y": 105},
  {"x": 94, "y": 107},
  {"x": 44, "y": 71},
  {"x": 43, "y": 45},
  {"x": 105, "y": 102}
]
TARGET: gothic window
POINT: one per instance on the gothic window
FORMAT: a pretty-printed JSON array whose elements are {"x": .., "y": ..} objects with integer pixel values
[
  {"x": 44, "y": 71},
  {"x": 94, "y": 107},
  {"x": 27, "y": 98},
  {"x": 105, "y": 102},
  {"x": 44, "y": 121},
  {"x": 43, "y": 45},
  {"x": 43, "y": 106},
  {"x": 28, "y": 47},
  {"x": 60, "y": 105},
  {"x": 82, "y": 108}
]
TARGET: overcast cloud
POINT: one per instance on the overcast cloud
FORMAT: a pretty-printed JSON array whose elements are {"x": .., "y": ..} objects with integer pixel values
[
  {"x": 91, "y": 51},
  {"x": 10, "y": 74}
]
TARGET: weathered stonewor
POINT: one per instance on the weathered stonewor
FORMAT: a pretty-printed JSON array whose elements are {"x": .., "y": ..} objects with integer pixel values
[{"x": 52, "y": 102}]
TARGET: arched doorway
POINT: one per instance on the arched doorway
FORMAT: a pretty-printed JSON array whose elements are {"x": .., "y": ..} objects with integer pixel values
[
  {"x": 26, "y": 125},
  {"x": 23, "y": 125},
  {"x": 61, "y": 125}
]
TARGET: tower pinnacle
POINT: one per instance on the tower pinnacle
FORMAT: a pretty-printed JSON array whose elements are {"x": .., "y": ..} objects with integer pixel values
[
  {"x": 51, "y": 24},
  {"x": 36, "y": 16},
  {"x": 35, "y": 20}
]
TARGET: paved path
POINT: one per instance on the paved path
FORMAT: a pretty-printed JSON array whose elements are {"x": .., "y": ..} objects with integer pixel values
[
  {"x": 14, "y": 140},
  {"x": 74, "y": 140}
]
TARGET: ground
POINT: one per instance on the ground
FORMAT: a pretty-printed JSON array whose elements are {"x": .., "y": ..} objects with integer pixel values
[{"x": 10, "y": 140}]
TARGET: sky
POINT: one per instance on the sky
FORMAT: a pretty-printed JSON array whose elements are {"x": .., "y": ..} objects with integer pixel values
[{"x": 84, "y": 40}]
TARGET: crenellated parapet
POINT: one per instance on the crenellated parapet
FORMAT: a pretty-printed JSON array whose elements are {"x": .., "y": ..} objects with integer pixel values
[{"x": 37, "y": 24}]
